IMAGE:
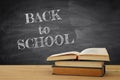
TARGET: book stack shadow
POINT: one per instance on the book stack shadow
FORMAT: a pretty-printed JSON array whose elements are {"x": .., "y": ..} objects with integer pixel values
[{"x": 89, "y": 62}]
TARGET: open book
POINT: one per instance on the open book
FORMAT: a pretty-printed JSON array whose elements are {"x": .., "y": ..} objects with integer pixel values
[{"x": 99, "y": 54}]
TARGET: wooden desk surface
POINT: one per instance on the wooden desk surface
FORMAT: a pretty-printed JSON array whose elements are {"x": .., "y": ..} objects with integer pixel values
[{"x": 44, "y": 72}]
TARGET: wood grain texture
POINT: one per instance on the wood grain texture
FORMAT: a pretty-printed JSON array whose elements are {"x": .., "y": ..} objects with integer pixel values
[{"x": 44, "y": 72}]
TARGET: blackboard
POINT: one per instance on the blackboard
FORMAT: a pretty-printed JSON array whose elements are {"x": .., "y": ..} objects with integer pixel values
[{"x": 73, "y": 25}]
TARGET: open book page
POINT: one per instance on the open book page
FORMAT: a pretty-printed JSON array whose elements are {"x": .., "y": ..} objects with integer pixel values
[
  {"x": 95, "y": 51},
  {"x": 66, "y": 53}
]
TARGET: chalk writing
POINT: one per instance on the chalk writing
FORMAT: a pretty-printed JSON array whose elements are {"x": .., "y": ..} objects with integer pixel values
[{"x": 44, "y": 41}]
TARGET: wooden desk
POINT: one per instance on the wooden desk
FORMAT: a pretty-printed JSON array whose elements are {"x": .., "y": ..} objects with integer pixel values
[{"x": 43, "y": 72}]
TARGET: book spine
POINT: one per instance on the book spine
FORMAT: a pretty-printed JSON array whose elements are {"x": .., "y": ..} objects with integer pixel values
[{"x": 79, "y": 71}]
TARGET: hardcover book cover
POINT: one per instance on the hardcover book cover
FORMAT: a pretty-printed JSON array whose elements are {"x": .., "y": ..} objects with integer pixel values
[{"x": 82, "y": 71}]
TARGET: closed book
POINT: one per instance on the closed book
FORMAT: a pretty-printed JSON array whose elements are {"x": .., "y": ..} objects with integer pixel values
[
  {"x": 93, "y": 64},
  {"x": 97, "y": 72}
]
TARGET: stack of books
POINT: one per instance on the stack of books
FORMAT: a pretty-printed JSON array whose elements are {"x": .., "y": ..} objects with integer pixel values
[{"x": 89, "y": 62}]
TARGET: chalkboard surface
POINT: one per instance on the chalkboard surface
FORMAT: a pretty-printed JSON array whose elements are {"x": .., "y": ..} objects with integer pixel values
[{"x": 31, "y": 30}]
